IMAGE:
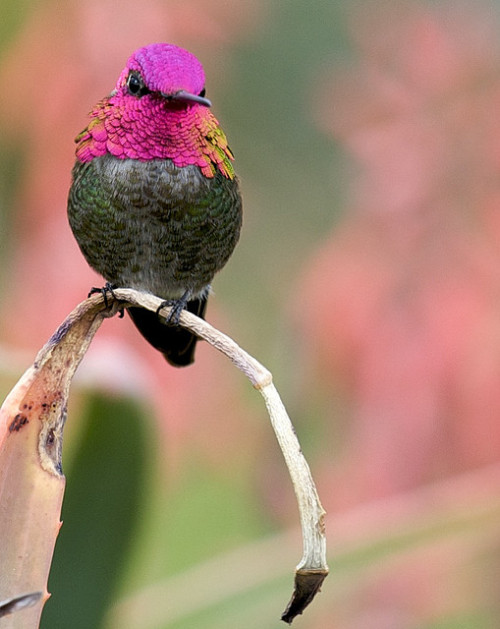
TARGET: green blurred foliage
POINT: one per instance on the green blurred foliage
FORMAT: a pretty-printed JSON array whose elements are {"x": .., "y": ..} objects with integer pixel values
[
  {"x": 101, "y": 514},
  {"x": 292, "y": 174}
]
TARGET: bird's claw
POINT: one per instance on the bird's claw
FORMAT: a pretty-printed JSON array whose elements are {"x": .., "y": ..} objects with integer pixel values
[
  {"x": 104, "y": 291},
  {"x": 176, "y": 305}
]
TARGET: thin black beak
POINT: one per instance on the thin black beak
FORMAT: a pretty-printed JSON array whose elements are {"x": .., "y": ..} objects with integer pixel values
[{"x": 186, "y": 97}]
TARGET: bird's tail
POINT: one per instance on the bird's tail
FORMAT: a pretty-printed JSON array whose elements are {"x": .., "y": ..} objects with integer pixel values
[{"x": 174, "y": 342}]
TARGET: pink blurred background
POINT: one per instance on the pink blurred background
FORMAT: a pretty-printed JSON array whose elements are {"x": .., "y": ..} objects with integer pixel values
[{"x": 367, "y": 139}]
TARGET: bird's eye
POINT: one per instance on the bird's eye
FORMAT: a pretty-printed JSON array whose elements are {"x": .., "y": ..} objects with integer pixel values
[
  {"x": 136, "y": 85},
  {"x": 202, "y": 93}
]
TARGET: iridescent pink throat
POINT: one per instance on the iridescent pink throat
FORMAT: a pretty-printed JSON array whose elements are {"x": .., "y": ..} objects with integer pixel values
[{"x": 148, "y": 128}]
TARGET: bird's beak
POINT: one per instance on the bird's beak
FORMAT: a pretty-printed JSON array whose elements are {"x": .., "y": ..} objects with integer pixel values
[{"x": 186, "y": 97}]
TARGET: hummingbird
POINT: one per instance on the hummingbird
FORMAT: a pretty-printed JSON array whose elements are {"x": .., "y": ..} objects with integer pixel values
[{"x": 155, "y": 203}]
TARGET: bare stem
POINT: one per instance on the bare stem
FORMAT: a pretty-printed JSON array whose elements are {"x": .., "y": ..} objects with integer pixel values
[
  {"x": 31, "y": 482},
  {"x": 312, "y": 569}
]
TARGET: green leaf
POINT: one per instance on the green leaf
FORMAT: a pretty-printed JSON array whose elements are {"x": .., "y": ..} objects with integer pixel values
[{"x": 101, "y": 511}]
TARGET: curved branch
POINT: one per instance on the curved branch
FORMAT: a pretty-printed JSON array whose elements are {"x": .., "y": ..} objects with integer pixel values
[
  {"x": 312, "y": 569},
  {"x": 31, "y": 482}
]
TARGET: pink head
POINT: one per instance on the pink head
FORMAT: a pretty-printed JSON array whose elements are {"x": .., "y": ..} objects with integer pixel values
[
  {"x": 158, "y": 110},
  {"x": 165, "y": 69}
]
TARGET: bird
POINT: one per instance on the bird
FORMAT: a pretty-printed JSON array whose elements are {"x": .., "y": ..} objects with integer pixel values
[{"x": 154, "y": 202}]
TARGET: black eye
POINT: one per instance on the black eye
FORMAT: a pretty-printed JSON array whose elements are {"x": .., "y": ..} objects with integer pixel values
[
  {"x": 136, "y": 85},
  {"x": 202, "y": 93}
]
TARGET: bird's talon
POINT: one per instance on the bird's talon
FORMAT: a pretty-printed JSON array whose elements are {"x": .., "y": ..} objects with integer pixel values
[
  {"x": 164, "y": 304},
  {"x": 107, "y": 288},
  {"x": 169, "y": 319},
  {"x": 177, "y": 306}
]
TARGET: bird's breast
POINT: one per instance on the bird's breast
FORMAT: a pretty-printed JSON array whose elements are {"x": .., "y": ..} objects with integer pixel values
[{"x": 153, "y": 225}]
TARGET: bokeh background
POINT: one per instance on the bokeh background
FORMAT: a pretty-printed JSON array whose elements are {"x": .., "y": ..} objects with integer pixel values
[{"x": 367, "y": 138}]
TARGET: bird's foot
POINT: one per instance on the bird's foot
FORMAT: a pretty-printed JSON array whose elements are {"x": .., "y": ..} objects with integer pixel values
[
  {"x": 177, "y": 306},
  {"x": 106, "y": 290}
]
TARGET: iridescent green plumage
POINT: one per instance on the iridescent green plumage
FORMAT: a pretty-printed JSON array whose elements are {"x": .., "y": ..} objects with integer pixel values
[{"x": 154, "y": 203}]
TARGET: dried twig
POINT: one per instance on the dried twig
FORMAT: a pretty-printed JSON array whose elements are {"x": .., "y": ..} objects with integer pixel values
[
  {"x": 43, "y": 391},
  {"x": 312, "y": 569}
]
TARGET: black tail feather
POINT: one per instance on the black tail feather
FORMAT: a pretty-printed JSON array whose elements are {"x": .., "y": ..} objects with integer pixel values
[{"x": 174, "y": 342}]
